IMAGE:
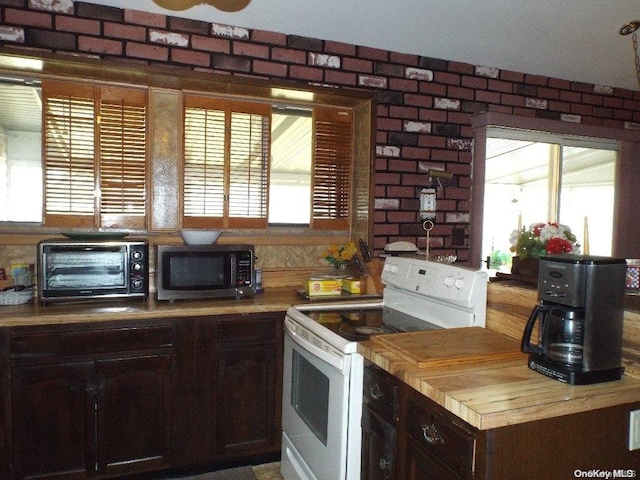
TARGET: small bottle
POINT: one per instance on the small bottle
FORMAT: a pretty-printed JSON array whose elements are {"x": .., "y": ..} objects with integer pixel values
[{"x": 258, "y": 279}]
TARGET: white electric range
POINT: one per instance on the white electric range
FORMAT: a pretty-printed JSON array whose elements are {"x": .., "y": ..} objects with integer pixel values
[{"x": 323, "y": 373}]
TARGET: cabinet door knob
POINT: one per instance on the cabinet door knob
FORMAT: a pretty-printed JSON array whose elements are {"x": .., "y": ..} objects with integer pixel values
[
  {"x": 385, "y": 464},
  {"x": 431, "y": 434}
]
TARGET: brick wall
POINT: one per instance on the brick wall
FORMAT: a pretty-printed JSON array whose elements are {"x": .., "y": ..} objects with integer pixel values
[{"x": 424, "y": 104}]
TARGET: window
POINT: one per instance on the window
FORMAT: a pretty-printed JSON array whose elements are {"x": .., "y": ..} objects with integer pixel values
[
  {"x": 94, "y": 155},
  {"x": 536, "y": 177},
  {"x": 237, "y": 167}
]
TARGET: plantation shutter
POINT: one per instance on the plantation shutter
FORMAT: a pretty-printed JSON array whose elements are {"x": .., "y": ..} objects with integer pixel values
[
  {"x": 94, "y": 155},
  {"x": 69, "y": 156},
  {"x": 332, "y": 160},
  {"x": 123, "y": 157},
  {"x": 226, "y": 163}
]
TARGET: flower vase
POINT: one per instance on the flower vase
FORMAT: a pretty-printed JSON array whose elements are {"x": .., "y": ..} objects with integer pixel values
[{"x": 526, "y": 269}]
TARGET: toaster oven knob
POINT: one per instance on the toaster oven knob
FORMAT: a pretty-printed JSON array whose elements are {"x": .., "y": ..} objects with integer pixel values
[
  {"x": 136, "y": 266},
  {"x": 137, "y": 284},
  {"x": 136, "y": 254}
]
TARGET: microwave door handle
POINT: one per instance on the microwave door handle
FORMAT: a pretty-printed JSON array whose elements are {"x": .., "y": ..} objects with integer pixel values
[{"x": 232, "y": 269}]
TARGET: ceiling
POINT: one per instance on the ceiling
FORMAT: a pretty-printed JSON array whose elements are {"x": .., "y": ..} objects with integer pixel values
[{"x": 575, "y": 40}]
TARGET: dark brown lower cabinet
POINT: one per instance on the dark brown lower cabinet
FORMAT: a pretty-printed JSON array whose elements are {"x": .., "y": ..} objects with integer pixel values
[
  {"x": 434, "y": 444},
  {"x": 90, "y": 401}
]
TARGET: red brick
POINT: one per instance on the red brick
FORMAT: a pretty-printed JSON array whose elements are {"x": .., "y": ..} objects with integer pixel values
[
  {"x": 460, "y": 93},
  {"x": 417, "y": 100},
  {"x": 563, "y": 107},
  {"x": 151, "y": 52},
  {"x": 218, "y": 45},
  {"x": 403, "y": 59},
  {"x": 357, "y": 65},
  {"x": 270, "y": 68},
  {"x": 26, "y": 18},
  {"x": 403, "y": 85},
  {"x": 299, "y": 72},
  {"x": 99, "y": 45},
  {"x": 272, "y": 38},
  {"x": 145, "y": 18},
  {"x": 572, "y": 97},
  {"x": 189, "y": 57},
  {"x": 288, "y": 55},
  {"x": 250, "y": 50},
  {"x": 78, "y": 25},
  {"x": 499, "y": 86},
  {"x": 125, "y": 32},
  {"x": 373, "y": 53},
  {"x": 448, "y": 78},
  {"x": 474, "y": 82},
  {"x": 458, "y": 67},
  {"x": 339, "y": 48},
  {"x": 340, "y": 78}
]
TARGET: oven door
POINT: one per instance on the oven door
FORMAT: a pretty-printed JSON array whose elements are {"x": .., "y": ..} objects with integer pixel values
[{"x": 321, "y": 412}]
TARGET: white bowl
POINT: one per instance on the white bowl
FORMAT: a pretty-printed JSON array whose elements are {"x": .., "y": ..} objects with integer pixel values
[{"x": 200, "y": 237}]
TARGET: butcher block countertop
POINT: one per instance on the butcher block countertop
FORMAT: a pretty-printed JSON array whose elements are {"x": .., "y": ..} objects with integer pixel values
[{"x": 498, "y": 389}]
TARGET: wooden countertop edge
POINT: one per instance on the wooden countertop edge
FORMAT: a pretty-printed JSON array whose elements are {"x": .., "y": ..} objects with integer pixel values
[{"x": 523, "y": 396}]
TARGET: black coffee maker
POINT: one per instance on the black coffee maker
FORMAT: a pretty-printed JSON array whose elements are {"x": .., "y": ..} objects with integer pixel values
[{"x": 581, "y": 313}]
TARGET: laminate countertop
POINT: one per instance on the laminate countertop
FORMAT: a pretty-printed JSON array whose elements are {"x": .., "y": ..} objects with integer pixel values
[{"x": 270, "y": 300}]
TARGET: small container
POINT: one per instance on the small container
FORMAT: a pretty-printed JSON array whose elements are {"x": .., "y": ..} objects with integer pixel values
[
  {"x": 632, "y": 281},
  {"x": 258, "y": 279}
]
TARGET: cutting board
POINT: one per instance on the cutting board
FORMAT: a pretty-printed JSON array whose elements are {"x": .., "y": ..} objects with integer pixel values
[{"x": 453, "y": 346}]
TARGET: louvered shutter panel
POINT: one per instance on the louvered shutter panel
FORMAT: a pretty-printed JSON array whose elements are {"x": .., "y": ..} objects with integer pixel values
[
  {"x": 69, "y": 156},
  {"x": 123, "y": 157},
  {"x": 226, "y": 153},
  {"x": 249, "y": 165},
  {"x": 332, "y": 166}
]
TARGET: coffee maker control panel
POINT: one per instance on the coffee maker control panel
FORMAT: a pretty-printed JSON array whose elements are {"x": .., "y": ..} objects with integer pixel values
[{"x": 562, "y": 283}]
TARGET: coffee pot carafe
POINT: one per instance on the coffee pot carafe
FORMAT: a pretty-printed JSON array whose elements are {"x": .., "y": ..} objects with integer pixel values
[{"x": 579, "y": 319}]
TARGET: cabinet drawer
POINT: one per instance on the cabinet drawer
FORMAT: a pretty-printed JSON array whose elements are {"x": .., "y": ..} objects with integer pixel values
[
  {"x": 88, "y": 342},
  {"x": 440, "y": 438},
  {"x": 380, "y": 392},
  {"x": 247, "y": 329}
]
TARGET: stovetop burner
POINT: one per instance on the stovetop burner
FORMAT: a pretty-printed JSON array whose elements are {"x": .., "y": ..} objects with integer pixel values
[{"x": 361, "y": 324}]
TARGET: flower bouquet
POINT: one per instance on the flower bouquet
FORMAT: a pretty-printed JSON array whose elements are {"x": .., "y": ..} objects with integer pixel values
[
  {"x": 339, "y": 255},
  {"x": 543, "y": 239}
]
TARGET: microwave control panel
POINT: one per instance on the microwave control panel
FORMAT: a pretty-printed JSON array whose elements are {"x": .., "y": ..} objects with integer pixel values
[{"x": 244, "y": 269}]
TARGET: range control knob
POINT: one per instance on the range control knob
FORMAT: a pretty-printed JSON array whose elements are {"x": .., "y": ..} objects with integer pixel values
[
  {"x": 449, "y": 281},
  {"x": 460, "y": 283}
]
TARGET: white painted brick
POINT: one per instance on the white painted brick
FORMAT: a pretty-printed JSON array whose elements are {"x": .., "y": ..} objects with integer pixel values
[
  {"x": 418, "y": 74},
  {"x": 424, "y": 166},
  {"x": 386, "y": 204},
  {"x": 457, "y": 217},
  {"x": 446, "y": 104},
  {"x": 324, "y": 60},
  {"x": 536, "y": 103},
  {"x": 229, "y": 31},
  {"x": 603, "y": 89},
  {"x": 169, "y": 38},
  {"x": 632, "y": 125},
  {"x": 460, "y": 143},
  {"x": 567, "y": 117},
  {"x": 60, "y": 6},
  {"x": 11, "y": 34},
  {"x": 388, "y": 151},
  {"x": 371, "y": 81},
  {"x": 487, "y": 71},
  {"x": 417, "y": 127}
]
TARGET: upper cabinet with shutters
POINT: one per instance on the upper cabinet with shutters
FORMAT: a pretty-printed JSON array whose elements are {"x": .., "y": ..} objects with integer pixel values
[{"x": 95, "y": 155}]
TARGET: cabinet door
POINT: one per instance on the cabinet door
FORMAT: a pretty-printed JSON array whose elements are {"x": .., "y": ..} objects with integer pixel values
[
  {"x": 134, "y": 413},
  {"x": 378, "y": 447},
  {"x": 420, "y": 465},
  {"x": 246, "y": 398},
  {"x": 53, "y": 421}
]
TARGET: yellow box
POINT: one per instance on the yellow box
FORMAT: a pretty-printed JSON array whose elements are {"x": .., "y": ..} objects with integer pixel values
[
  {"x": 351, "y": 285},
  {"x": 317, "y": 287}
]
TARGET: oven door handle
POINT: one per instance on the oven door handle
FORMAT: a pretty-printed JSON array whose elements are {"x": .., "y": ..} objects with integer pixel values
[{"x": 337, "y": 361}]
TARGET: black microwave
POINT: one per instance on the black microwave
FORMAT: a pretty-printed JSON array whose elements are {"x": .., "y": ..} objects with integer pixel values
[
  {"x": 204, "y": 271},
  {"x": 70, "y": 270}
]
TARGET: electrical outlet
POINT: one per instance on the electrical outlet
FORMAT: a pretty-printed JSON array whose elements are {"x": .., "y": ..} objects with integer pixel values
[
  {"x": 634, "y": 430},
  {"x": 457, "y": 236}
]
